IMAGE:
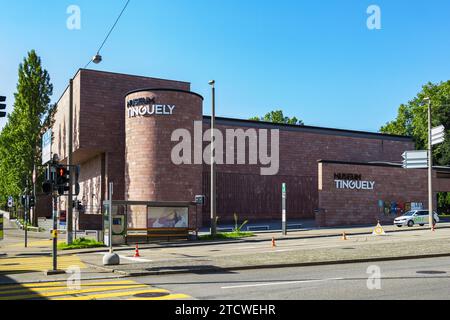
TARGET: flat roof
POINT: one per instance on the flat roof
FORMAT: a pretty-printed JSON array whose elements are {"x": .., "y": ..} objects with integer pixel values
[{"x": 309, "y": 129}]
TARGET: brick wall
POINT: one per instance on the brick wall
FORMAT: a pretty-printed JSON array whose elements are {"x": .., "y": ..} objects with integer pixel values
[
  {"x": 242, "y": 189},
  {"x": 99, "y": 130},
  {"x": 150, "y": 174},
  {"x": 99, "y": 146},
  {"x": 392, "y": 185}
]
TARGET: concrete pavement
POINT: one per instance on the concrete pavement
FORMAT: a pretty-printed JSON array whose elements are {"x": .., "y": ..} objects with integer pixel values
[
  {"x": 400, "y": 280},
  {"x": 289, "y": 251}
]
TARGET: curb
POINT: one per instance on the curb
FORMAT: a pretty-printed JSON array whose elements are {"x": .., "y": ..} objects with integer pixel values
[
  {"x": 248, "y": 240},
  {"x": 202, "y": 269}
]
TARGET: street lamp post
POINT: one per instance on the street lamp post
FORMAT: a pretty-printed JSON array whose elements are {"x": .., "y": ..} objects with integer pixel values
[
  {"x": 69, "y": 219},
  {"x": 213, "y": 174},
  {"x": 430, "y": 166}
]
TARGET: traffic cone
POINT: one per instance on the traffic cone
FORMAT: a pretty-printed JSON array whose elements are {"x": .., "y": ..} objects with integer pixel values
[
  {"x": 273, "y": 242},
  {"x": 344, "y": 236},
  {"x": 136, "y": 253}
]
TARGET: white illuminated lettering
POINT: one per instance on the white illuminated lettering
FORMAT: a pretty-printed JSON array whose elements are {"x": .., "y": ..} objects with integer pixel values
[
  {"x": 144, "y": 107},
  {"x": 354, "y": 184}
]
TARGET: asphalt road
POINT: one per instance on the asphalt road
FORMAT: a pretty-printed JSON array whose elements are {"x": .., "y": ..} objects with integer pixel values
[{"x": 400, "y": 280}]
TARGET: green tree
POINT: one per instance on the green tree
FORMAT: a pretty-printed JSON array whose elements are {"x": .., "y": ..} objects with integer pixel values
[
  {"x": 412, "y": 119},
  {"x": 21, "y": 136},
  {"x": 277, "y": 116}
]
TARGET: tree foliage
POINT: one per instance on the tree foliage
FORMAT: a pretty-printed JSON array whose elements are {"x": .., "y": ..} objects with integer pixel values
[
  {"x": 412, "y": 119},
  {"x": 277, "y": 116},
  {"x": 21, "y": 136}
]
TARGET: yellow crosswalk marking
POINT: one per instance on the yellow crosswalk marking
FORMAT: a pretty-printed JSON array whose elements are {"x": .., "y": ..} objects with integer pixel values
[
  {"x": 115, "y": 294},
  {"x": 38, "y": 243},
  {"x": 40, "y": 295},
  {"x": 49, "y": 284},
  {"x": 94, "y": 290},
  {"x": 28, "y": 285},
  {"x": 168, "y": 297},
  {"x": 35, "y": 264},
  {"x": 57, "y": 286}
]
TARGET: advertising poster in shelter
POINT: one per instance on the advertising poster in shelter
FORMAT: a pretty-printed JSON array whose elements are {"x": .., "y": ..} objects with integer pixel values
[{"x": 168, "y": 217}]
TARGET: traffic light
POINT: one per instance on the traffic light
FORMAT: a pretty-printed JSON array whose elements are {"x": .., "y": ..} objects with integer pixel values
[
  {"x": 77, "y": 185},
  {"x": 77, "y": 204},
  {"x": 50, "y": 180},
  {"x": 47, "y": 187},
  {"x": 32, "y": 202},
  {"x": 23, "y": 201},
  {"x": 62, "y": 179},
  {"x": 2, "y": 107},
  {"x": 62, "y": 175},
  {"x": 57, "y": 178}
]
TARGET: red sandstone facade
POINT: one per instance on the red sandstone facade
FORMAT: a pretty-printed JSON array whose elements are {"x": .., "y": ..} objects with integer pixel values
[
  {"x": 134, "y": 153},
  {"x": 394, "y": 189}
]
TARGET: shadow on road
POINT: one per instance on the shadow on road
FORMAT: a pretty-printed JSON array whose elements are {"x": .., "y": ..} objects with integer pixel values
[
  {"x": 192, "y": 269},
  {"x": 9, "y": 289}
]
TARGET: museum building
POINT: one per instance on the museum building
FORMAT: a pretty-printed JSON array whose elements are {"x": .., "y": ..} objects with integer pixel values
[{"x": 123, "y": 132}]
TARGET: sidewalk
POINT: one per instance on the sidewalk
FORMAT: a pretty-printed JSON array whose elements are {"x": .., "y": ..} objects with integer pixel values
[
  {"x": 261, "y": 237},
  {"x": 290, "y": 251}
]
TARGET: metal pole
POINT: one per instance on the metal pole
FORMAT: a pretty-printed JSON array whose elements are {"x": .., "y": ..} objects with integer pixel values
[
  {"x": 111, "y": 189},
  {"x": 69, "y": 221},
  {"x": 283, "y": 209},
  {"x": 25, "y": 218},
  {"x": 430, "y": 169},
  {"x": 35, "y": 218},
  {"x": 55, "y": 232},
  {"x": 213, "y": 177}
]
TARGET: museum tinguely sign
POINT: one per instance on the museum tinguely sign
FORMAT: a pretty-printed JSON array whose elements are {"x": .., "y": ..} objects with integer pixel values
[
  {"x": 144, "y": 107},
  {"x": 352, "y": 182}
]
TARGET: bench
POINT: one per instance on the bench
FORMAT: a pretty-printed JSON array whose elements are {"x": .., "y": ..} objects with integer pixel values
[{"x": 159, "y": 233}]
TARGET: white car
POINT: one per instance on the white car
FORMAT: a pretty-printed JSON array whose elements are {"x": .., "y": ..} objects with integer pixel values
[{"x": 414, "y": 217}]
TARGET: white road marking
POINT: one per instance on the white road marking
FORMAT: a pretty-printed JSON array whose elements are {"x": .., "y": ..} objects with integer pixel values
[
  {"x": 128, "y": 258},
  {"x": 135, "y": 259},
  {"x": 280, "y": 283}
]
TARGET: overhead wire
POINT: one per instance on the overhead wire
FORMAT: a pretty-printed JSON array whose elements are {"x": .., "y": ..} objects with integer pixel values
[{"x": 110, "y": 31}]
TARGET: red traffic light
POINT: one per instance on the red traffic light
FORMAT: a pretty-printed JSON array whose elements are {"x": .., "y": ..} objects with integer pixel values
[{"x": 62, "y": 172}]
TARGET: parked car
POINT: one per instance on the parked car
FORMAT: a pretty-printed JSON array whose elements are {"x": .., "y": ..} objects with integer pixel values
[{"x": 414, "y": 217}]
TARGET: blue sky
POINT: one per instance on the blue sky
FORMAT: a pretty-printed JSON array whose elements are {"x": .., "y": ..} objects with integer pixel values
[{"x": 316, "y": 60}]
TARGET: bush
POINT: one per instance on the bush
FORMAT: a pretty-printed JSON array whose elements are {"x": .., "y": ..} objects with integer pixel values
[
  {"x": 80, "y": 243},
  {"x": 227, "y": 235}
]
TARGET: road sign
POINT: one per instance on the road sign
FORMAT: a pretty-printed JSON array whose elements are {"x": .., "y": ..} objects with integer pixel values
[
  {"x": 415, "y": 159},
  {"x": 47, "y": 147},
  {"x": 437, "y": 135},
  {"x": 10, "y": 202},
  {"x": 200, "y": 199},
  {"x": 2, "y": 106},
  {"x": 378, "y": 231}
]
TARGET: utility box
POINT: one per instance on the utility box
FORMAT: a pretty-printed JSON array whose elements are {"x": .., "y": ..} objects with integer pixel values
[{"x": 118, "y": 226}]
